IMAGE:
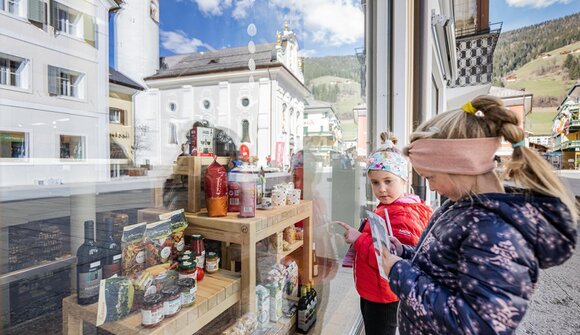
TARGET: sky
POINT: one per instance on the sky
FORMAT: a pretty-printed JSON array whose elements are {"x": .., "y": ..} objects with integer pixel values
[{"x": 323, "y": 27}]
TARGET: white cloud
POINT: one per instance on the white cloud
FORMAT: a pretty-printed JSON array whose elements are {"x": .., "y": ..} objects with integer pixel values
[
  {"x": 241, "y": 10},
  {"x": 307, "y": 53},
  {"x": 329, "y": 22},
  {"x": 213, "y": 7},
  {"x": 179, "y": 43},
  {"x": 535, "y": 3}
]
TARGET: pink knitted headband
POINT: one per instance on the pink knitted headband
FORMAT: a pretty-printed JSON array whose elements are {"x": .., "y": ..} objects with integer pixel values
[{"x": 471, "y": 156}]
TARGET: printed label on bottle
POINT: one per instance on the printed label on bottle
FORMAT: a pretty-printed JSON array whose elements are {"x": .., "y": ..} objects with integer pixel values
[
  {"x": 180, "y": 245},
  {"x": 95, "y": 264},
  {"x": 165, "y": 253},
  {"x": 187, "y": 298},
  {"x": 200, "y": 260},
  {"x": 140, "y": 259},
  {"x": 172, "y": 306},
  {"x": 89, "y": 283},
  {"x": 212, "y": 266},
  {"x": 117, "y": 257},
  {"x": 188, "y": 275},
  {"x": 151, "y": 317}
]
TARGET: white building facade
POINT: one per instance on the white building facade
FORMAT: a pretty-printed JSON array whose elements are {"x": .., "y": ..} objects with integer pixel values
[{"x": 54, "y": 91}]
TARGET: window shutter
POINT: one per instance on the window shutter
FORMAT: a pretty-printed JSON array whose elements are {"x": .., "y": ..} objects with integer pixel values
[
  {"x": 54, "y": 14},
  {"x": 53, "y": 80},
  {"x": 89, "y": 29},
  {"x": 36, "y": 11}
]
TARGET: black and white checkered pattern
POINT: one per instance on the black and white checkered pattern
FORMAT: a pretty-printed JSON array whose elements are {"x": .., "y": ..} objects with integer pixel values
[{"x": 475, "y": 59}]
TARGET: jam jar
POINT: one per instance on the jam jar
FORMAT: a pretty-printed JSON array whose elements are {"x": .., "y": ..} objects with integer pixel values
[
  {"x": 172, "y": 300},
  {"x": 212, "y": 262},
  {"x": 187, "y": 269},
  {"x": 152, "y": 310},
  {"x": 188, "y": 291}
]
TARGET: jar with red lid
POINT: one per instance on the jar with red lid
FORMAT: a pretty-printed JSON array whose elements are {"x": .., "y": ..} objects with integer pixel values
[
  {"x": 152, "y": 310},
  {"x": 198, "y": 249},
  {"x": 172, "y": 300}
]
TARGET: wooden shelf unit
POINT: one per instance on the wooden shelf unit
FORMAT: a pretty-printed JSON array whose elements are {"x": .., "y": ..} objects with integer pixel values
[
  {"x": 248, "y": 231},
  {"x": 293, "y": 247},
  {"x": 215, "y": 294}
]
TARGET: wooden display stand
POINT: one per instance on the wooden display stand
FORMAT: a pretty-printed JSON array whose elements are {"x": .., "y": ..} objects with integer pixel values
[
  {"x": 215, "y": 294},
  {"x": 248, "y": 231},
  {"x": 194, "y": 167}
]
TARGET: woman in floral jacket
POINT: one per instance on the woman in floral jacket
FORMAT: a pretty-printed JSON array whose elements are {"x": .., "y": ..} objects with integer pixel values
[{"x": 478, "y": 261}]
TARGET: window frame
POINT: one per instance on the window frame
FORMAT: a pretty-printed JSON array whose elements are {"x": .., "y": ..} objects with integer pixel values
[
  {"x": 67, "y": 83},
  {"x": 19, "y": 74},
  {"x": 27, "y": 145},
  {"x": 121, "y": 116},
  {"x": 84, "y": 147}
]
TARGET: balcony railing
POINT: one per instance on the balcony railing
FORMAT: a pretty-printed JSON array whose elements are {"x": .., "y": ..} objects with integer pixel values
[{"x": 567, "y": 145}]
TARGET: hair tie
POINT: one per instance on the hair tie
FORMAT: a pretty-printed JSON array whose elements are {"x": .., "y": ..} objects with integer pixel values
[
  {"x": 519, "y": 144},
  {"x": 468, "y": 108}
]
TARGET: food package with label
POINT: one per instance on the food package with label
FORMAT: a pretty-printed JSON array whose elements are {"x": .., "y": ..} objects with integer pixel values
[
  {"x": 262, "y": 305},
  {"x": 178, "y": 225},
  {"x": 133, "y": 250},
  {"x": 158, "y": 243},
  {"x": 216, "y": 190},
  {"x": 115, "y": 299},
  {"x": 201, "y": 141},
  {"x": 290, "y": 289},
  {"x": 246, "y": 325},
  {"x": 275, "y": 283}
]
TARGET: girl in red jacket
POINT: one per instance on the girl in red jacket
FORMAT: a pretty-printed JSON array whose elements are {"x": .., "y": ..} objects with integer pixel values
[{"x": 387, "y": 171}]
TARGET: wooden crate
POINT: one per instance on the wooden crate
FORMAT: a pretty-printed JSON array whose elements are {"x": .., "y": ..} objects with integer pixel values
[{"x": 194, "y": 168}]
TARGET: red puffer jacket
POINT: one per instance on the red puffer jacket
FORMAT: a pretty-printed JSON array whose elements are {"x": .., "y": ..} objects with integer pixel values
[{"x": 408, "y": 216}]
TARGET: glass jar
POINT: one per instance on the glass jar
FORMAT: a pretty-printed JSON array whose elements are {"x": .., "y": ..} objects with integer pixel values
[
  {"x": 171, "y": 300},
  {"x": 212, "y": 262},
  {"x": 187, "y": 270},
  {"x": 198, "y": 249},
  {"x": 188, "y": 291},
  {"x": 152, "y": 310}
]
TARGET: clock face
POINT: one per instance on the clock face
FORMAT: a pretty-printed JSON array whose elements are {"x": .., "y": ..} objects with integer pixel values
[{"x": 154, "y": 7}]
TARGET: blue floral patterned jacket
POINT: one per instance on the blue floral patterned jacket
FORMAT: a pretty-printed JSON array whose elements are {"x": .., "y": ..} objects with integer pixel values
[{"x": 476, "y": 270}]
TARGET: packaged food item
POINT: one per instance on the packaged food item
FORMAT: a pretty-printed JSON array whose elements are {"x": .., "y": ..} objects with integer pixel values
[
  {"x": 263, "y": 305},
  {"x": 216, "y": 190},
  {"x": 212, "y": 262},
  {"x": 133, "y": 250},
  {"x": 115, "y": 299},
  {"x": 233, "y": 193},
  {"x": 178, "y": 224},
  {"x": 289, "y": 306},
  {"x": 245, "y": 325},
  {"x": 158, "y": 243},
  {"x": 152, "y": 311},
  {"x": 201, "y": 136},
  {"x": 275, "y": 283},
  {"x": 188, "y": 291},
  {"x": 171, "y": 300},
  {"x": 198, "y": 248},
  {"x": 247, "y": 196},
  {"x": 188, "y": 269}
]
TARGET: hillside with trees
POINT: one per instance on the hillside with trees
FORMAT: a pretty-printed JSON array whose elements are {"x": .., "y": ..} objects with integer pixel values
[{"x": 518, "y": 47}]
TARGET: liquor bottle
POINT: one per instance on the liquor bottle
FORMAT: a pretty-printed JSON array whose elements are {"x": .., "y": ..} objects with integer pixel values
[
  {"x": 89, "y": 270},
  {"x": 302, "y": 326},
  {"x": 110, "y": 252},
  {"x": 245, "y": 145},
  {"x": 314, "y": 261}
]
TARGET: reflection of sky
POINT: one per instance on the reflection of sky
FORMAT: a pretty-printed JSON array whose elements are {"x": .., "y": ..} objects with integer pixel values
[
  {"x": 324, "y": 27},
  {"x": 520, "y": 13}
]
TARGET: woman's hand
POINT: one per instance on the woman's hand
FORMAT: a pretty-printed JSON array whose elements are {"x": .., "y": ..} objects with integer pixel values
[
  {"x": 388, "y": 260},
  {"x": 351, "y": 234},
  {"x": 397, "y": 245}
]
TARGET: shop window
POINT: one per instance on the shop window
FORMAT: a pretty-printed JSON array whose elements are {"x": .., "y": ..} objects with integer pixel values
[
  {"x": 67, "y": 83},
  {"x": 72, "y": 147},
  {"x": 116, "y": 116},
  {"x": 13, "y": 71},
  {"x": 13, "y": 144}
]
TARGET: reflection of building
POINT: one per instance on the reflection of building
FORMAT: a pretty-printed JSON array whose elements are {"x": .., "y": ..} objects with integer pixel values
[
  {"x": 360, "y": 118},
  {"x": 519, "y": 102},
  {"x": 261, "y": 84},
  {"x": 121, "y": 125},
  {"x": 322, "y": 130},
  {"x": 566, "y": 130},
  {"x": 53, "y": 91}
]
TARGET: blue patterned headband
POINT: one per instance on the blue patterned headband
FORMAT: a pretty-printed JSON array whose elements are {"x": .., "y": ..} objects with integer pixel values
[{"x": 389, "y": 161}]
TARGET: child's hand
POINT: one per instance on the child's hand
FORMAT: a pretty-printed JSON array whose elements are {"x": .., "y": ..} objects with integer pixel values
[
  {"x": 397, "y": 245},
  {"x": 351, "y": 234}
]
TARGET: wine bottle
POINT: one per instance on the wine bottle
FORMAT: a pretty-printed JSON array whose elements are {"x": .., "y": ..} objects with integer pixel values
[
  {"x": 89, "y": 270},
  {"x": 302, "y": 326},
  {"x": 314, "y": 261},
  {"x": 111, "y": 252}
]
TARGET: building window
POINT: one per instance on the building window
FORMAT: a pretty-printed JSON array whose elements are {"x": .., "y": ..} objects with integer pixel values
[
  {"x": 72, "y": 147},
  {"x": 13, "y": 144},
  {"x": 172, "y": 106},
  {"x": 116, "y": 116},
  {"x": 67, "y": 20},
  {"x": 206, "y": 104},
  {"x": 11, "y": 6},
  {"x": 63, "y": 82},
  {"x": 245, "y": 102},
  {"x": 13, "y": 71}
]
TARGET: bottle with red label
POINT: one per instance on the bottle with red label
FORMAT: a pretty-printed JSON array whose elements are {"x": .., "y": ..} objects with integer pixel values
[
  {"x": 198, "y": 249},
  {"x": 233, "y": 193}
]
